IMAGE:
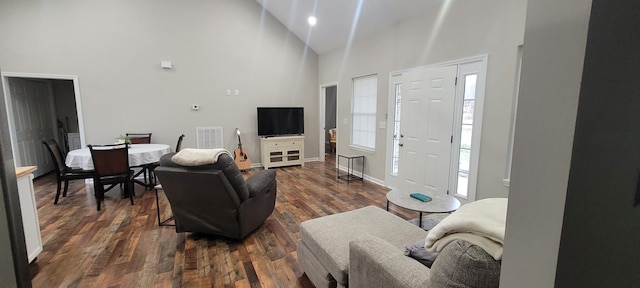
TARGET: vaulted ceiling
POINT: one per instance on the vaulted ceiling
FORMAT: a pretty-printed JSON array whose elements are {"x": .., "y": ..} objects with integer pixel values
[{"x": 340, "y": 21}]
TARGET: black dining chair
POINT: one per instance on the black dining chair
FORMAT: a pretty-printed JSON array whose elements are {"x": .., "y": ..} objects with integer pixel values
[
  {"x": 111, "y": 164},
  {"x": 139, "y": 138},
  {"x": 146, "y": 169},
  {"x": 64, "y": 173},
  {"x": 153, "y": 180},
  {"x": 179, "y": 144}
]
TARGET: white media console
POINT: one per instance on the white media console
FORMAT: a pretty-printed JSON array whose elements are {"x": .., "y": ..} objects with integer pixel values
[{"x": 282, "y": 151}]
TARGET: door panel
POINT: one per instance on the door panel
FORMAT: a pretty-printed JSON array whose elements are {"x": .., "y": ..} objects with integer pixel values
[
  {"x": 426, "y": 129},
  {"x": 410, "y": 176},
  {"x": 33, "y": 122}
]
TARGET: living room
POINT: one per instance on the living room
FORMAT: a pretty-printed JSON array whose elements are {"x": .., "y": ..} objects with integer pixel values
[{"x": 115, "y": 50}]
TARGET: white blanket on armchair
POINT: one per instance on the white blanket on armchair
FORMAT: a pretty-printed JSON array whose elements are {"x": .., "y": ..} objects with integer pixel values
[
  {"x": 198, "y": 157},
  {"x": 481, "y": 223}
]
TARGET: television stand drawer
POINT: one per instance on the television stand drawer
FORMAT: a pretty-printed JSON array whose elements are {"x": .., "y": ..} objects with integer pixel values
[{"x": 283, "y": 144}]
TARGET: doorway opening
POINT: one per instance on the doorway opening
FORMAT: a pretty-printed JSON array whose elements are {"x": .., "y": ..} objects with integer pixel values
[
  {"x": 328, "y": 123},
  {"x": 42, "y": 107}
]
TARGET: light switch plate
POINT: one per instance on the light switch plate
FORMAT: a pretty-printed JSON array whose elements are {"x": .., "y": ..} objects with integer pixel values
[{"x": 166, "y": 64}]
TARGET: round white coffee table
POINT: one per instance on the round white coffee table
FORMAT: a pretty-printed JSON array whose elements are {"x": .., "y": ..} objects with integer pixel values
[{"x": 440, "y": 203}]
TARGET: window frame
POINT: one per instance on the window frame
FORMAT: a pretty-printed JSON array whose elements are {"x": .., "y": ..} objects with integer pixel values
[
  {"x": 395, "y": 123},
  {"x": 373, "y": 114}
]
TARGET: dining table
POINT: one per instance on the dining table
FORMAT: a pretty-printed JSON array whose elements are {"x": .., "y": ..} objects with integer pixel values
[{"x": 139, "y": 154}]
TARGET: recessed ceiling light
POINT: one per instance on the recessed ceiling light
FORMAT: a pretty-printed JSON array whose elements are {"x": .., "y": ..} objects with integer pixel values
[{"x": 312, "y": 21}]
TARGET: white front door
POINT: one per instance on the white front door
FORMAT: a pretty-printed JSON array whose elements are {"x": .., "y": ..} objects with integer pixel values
[
  {"x": 31, "y": 106},
  {"x": 426, "y": 125}
]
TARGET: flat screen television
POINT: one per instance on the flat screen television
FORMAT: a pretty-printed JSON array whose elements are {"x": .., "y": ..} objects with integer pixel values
[{"x": 278, "y": 121}]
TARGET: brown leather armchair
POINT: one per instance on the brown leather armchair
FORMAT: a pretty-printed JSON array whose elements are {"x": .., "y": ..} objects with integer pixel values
[{"x": 215, "y": 199}]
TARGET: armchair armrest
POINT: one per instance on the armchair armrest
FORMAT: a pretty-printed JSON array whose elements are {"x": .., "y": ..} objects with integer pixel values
[
  {"x": 375, "y": 263},
  {"x": 256, "y": 209},
  {"x": 259, "y": 183}
]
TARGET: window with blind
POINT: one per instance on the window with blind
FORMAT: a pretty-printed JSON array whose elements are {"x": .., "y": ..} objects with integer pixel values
[{"x": 363, "y": 112}]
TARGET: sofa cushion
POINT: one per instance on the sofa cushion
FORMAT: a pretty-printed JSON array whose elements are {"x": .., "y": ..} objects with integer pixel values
[
  {"x": 374, "y": 262},
  {"x": 328, "y": 237},
  {"x": 464, "y": 265}
]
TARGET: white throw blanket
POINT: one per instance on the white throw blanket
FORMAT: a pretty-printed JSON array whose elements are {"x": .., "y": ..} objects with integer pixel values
[
  {"x": 198, "y": 157},
  {"x": 481, "y": 223}
]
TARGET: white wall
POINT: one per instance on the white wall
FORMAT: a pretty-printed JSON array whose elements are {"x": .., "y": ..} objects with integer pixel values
[
  {"x": 553, "y": 56},
  {"x": 115, "y": 49},
  {"x": 456, "y": 30}
]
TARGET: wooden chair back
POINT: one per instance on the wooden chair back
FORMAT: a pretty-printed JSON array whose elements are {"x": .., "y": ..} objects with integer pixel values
[
  {"x": 110, "y": 160},
  {"x": 56, "y": 155},
  {"x": 139, "y": 138}
]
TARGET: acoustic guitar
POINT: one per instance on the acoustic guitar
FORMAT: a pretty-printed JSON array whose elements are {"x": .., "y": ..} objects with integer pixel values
[{"x": 241, "y": 157}]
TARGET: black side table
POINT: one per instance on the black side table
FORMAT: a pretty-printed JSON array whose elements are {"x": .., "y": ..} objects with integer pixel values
[
  {"x": 350, "y": 176},
  {"x": 162, "y": 222}
]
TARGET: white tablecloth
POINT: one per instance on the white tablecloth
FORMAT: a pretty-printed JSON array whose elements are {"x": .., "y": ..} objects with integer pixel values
[{"x": 139, "y": 154}]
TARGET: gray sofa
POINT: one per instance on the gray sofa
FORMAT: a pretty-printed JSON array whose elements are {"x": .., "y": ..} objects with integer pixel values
[
  {"x": 365, "y": 248},
  {"x": 215, "y": 199}
]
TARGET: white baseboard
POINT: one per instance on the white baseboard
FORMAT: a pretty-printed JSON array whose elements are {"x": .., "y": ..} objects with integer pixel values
[
  {"x": 366, "y": 177},
  {"x": 314, "y": 159},
  {"x": 342, "y": 168}
]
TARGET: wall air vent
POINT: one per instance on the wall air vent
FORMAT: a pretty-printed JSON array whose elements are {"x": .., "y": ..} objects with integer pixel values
[{"x": 209, "y": 137}]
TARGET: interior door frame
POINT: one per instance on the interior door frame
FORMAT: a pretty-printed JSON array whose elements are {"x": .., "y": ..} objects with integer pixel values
[
  {"x": 322, "y": 115},
  {"x": 14, "y": 261},
  {"x": 7, "y": 99}
]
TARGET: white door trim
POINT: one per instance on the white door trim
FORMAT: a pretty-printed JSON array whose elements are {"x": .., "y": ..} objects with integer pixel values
[
  {"x": 321, "y": 114},
  {"x": 391, "y": 181},
  {"x": 475, "y": 154},
  {"x": 477, "y": 126},
  {"x": 7, "y": 99}
]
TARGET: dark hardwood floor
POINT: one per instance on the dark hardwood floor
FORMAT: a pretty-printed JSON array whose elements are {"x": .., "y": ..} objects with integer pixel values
[{"x": 123, "y": 246}]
